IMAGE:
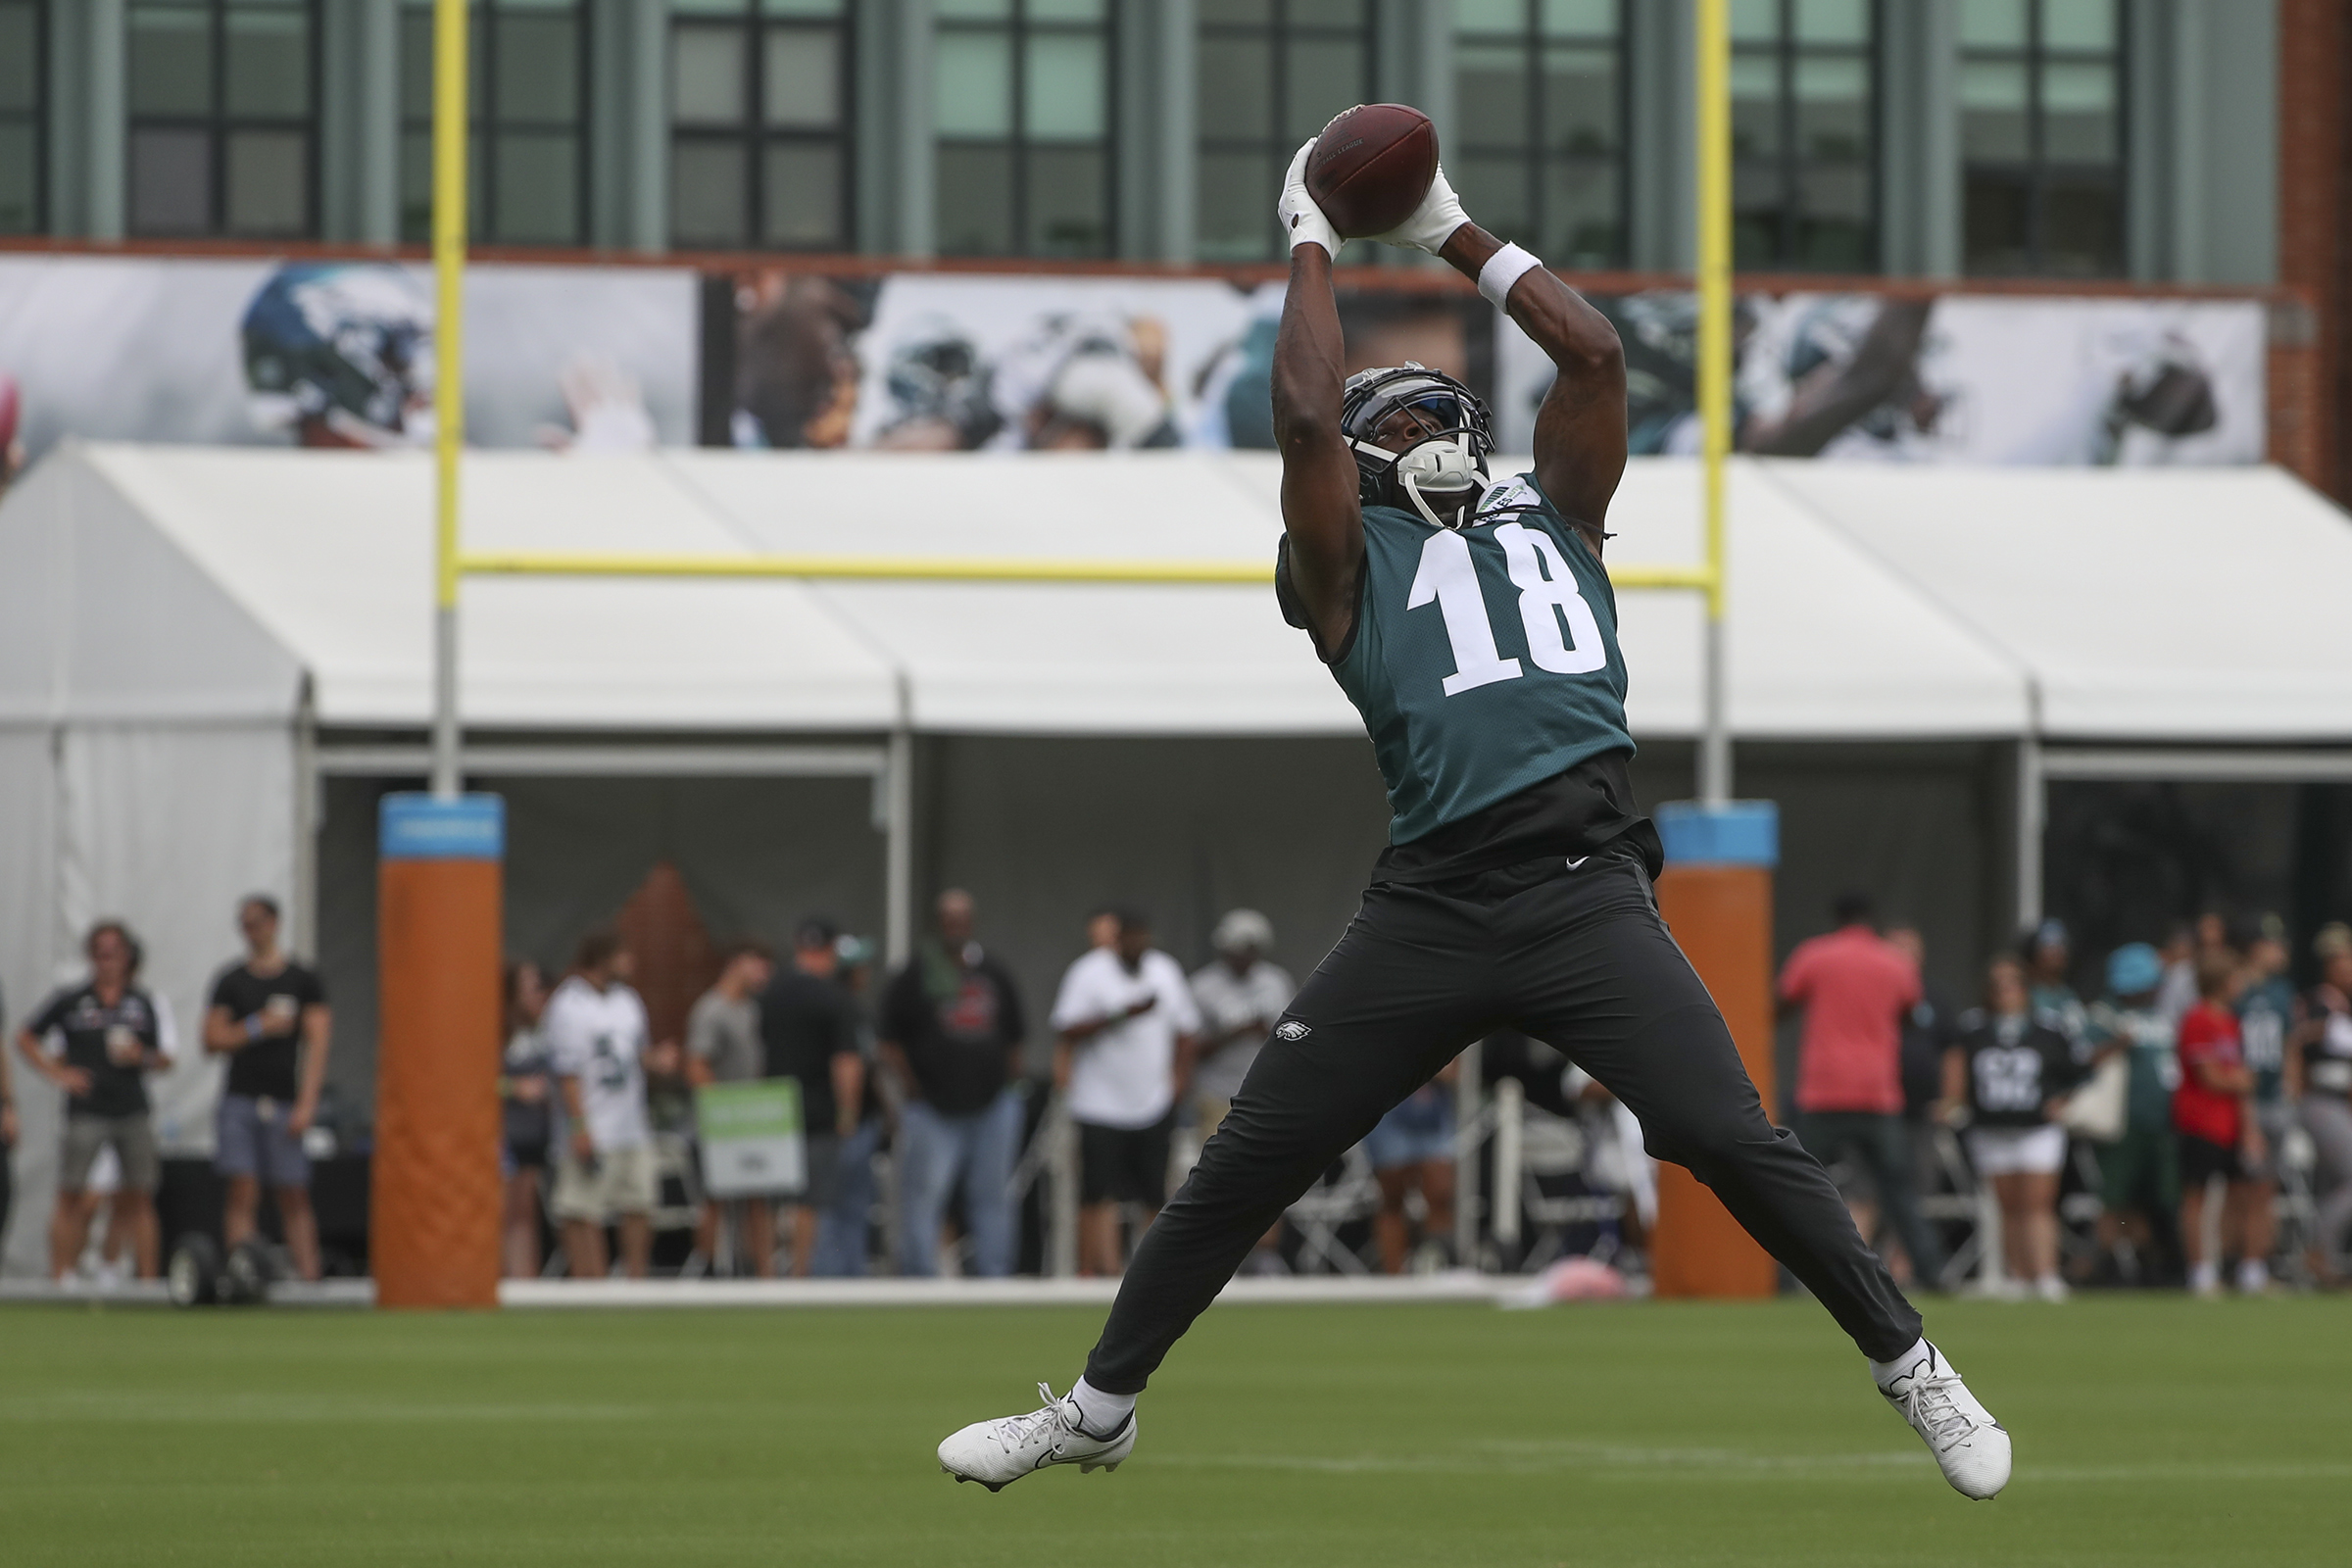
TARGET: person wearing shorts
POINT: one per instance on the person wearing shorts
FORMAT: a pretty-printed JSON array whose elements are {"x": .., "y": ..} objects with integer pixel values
[
  {"x": 2212, "y": 1111},
  {"x": 1411, "y": 1149},
  {"x": 268, "y": 1016},
  {"x": 2012, "y": 1071},
  {"x": 107, "y": 1034},
  {"x": 596, "y": 1042},
  {"x": 1128, "y": 1027}
]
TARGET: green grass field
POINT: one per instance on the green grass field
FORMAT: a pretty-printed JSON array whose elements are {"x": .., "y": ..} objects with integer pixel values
[{"x": 2149, "y": 1431}]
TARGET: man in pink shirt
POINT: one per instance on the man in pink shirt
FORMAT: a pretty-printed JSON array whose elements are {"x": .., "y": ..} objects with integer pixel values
[{"x": 1854, "y": 988}]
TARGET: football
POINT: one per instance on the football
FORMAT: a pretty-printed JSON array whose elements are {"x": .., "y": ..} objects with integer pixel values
[{"x": 1371, "y": 167}]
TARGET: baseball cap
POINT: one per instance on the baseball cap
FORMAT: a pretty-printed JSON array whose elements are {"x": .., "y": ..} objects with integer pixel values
[
  {"x": 2334, "y": 938},
  {"x": 2134, "y": 968},
  {"x": 1242, "y": 928}
]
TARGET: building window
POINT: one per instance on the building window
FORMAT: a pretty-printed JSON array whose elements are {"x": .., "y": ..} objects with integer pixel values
[
  {"x": 759, "y": 118},
  {"x": 223, "y": 118},
  {"x": 22, "y": 52},
  {"x": 527, "y": 101},
  {"x": 1271, "y": 73},
  {"x": 1804, "y": 172},
  {"x": 1539, "y": 154},
  {"x": 1022, "y": 106},
  {"x": 2041, "y": 137}
]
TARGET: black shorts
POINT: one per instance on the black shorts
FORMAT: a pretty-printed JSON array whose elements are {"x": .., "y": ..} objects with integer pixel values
[
  {"x": 1124, "y": 1164},
  {"x": 2202, "y": 1160}
]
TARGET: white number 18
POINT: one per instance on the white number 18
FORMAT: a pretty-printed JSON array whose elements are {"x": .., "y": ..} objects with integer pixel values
[{"x": 1562, "y": 636}]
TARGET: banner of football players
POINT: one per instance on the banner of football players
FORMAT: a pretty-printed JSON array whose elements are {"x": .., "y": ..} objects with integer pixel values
[{"x": 597, "y": 358}]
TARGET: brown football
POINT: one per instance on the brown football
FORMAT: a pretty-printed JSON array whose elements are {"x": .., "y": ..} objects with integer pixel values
[{"x": 1371, "y": 167}]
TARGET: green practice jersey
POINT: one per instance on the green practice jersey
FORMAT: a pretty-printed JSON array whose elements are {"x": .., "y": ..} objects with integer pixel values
[{"x": 1484, "y": 659}]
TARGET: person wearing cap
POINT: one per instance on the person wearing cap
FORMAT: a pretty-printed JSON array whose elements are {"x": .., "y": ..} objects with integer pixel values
[
  {"x": 2048, "y": 953},
  {"x": 1241, "y": 998},
  {"x": 2266, "y": 1016},
  {"x": 810, "y": 1029},
  {"x": 2319, "y": 1065},
  {"x": 2139, "y": 1173}
]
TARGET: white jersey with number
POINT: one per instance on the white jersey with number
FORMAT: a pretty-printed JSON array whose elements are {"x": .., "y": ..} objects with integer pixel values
[{"x": 599, "y": 1036}]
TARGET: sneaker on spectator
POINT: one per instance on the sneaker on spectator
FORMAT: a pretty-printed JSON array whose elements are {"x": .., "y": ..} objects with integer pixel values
[{"x": 2050, "y": 1287}]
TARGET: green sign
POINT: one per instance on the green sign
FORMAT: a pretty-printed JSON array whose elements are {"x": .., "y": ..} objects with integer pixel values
[{"x": 751, "y": 1136}]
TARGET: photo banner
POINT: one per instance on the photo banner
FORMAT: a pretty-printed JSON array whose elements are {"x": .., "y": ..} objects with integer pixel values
[{"x": 341, "y": 354}]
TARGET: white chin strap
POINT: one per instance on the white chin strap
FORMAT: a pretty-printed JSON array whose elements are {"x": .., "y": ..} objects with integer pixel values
[{"x": 1446, "y": 468}]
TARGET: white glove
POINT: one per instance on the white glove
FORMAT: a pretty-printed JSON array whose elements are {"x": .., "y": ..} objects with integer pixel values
[
  {"x": 1433, "y": 221},
  {"x": 1301, "y": 219}
]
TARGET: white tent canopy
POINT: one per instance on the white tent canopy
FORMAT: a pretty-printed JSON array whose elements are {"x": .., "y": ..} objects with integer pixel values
[{"x": 190, "y": 628}]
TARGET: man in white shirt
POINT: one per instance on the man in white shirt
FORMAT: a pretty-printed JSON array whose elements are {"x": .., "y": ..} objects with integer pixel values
[
  {"x": 597, "y": 1046},
  {"x": 1241, "y": 998},
  {"x": 1127, "y": 1027}
]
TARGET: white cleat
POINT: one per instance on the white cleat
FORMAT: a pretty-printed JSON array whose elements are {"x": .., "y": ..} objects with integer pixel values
[
  {"x": 1970, "y": 1446},
  {"x": 996, "y": 1453}
]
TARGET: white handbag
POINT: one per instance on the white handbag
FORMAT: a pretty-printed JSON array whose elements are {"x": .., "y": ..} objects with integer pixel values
[{"x": 2096, "y": 1109}]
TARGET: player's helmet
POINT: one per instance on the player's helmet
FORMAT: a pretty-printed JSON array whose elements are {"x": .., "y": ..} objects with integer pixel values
[
  {"x": 1442, "y": 475},
  {"x": 350, "y": 344}
]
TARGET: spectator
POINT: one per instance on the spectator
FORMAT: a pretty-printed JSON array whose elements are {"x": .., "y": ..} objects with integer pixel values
[
  {"x": 1127, "y": 1028},
  {"x": 2012, "y": 1071},
  {"x": 2049, "y": 956},
  {"x": 810, "y": 1030},
  {"x": 723, "y": 1046},
  {"x": 843, "y": 1229},
  {"x": 2178, "y": 992},
  {"x": 1928, "y": 1029},
  {"x": 2323, "y": 1072},
  {"x": 1241, "y": 998},
  {"x": 2139, "y": 1173},
  {"x": 109, "y": 1034},
  {"x": 2265, "y": 1015},
  {"x": 525, "y": 1122},
  {"x": 952, "y": 1030},
  {"x": 1854, "y": 988},
  {"x": 598, "y": 1048},
  {"x": 268, "y": 1016},
  {"x": 2211, "y": 1111},
  {"x": 1411, "y": 1150}
]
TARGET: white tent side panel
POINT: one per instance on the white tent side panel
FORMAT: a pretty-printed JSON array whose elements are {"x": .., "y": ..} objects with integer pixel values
[{"x": 33, "y": 941}]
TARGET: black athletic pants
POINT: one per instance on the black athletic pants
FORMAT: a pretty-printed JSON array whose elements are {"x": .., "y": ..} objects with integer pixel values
[{"x": 1573, "y": 954}]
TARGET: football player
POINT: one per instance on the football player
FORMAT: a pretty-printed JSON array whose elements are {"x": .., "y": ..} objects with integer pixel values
[{"x": 1469, "y": 619}]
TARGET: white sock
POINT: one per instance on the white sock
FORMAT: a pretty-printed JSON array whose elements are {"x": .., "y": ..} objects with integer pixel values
[
  {"x": 2205, "y": 1276},
  {"x": 2253, "y": 1275},
  {"x": 1100, "y": 1414},
  {"x": 1885, "y": 1372}
]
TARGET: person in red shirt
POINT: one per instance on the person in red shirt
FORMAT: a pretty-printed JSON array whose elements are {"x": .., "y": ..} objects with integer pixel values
[
  {"x": 1854, "y": 988},
  {"x": 2213, "y": 1115}
]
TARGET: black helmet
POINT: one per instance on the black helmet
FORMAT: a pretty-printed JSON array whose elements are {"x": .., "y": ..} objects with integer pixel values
[{"x": 1448, "y": 465}]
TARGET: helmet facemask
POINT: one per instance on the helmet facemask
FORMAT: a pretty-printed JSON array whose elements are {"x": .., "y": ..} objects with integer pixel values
[{"x": 1442, "y": 475}]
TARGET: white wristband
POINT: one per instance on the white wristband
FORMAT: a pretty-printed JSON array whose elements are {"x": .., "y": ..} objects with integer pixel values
[{"x": 1504, "y": 269}]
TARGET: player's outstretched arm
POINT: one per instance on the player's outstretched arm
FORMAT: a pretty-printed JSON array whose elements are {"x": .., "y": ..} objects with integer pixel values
[
  {"x": 1580, "y": 430},
  {"x": 1319, "y": 506}
]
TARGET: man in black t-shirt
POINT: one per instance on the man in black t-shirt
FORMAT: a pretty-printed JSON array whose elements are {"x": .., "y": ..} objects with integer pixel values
[
  {"x": 809, "y": 1030},
  {"x": 263, "y": 1013},
  {"x": 951, "y": 1028},
  {"x": 109, "y": 1037}
]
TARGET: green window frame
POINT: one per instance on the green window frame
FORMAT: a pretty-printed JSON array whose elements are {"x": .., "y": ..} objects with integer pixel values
[
  {"x": 1023, "y": 111},
  {"x": 222, "y": 99},
  {"x": 2041, "y": 131},
  {"x": 1271, "y": 72},
  {"x": 23, "y": 116},
  {"x": 1539, "y": 148},
  {"x": 528, "y": 106},
  {"x": 1804, "y": 134},
  {"x": 762, "y": 109}
]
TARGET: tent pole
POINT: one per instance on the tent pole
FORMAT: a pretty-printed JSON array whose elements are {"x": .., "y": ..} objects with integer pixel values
[
  {"x": 2032, "y": 803},
  {"x": 450, "y": 21},
  {"x": 897, "y": 874}
]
